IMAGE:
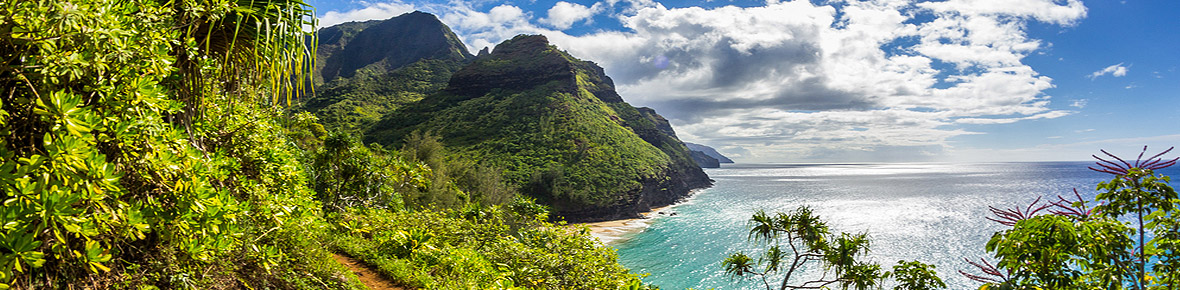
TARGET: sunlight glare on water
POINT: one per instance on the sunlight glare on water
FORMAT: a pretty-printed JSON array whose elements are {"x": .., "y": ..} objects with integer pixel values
[{"x": 934, "y": 213}]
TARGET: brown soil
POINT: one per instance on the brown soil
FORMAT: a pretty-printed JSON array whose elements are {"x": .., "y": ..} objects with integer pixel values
[{"x": 367, "y": 276}]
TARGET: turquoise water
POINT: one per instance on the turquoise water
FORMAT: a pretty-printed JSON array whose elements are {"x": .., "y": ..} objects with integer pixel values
[{"x": 928, "y": 212}]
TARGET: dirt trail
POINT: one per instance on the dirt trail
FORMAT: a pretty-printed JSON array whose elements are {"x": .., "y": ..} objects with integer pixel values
[{"x": 367, "y": 276}]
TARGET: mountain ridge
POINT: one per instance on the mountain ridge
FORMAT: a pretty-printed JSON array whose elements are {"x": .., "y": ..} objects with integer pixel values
[
  {"x": 365, "y": 70},
  {"x": 387, "y": 45},
  {"x": 560, "y": 130}
]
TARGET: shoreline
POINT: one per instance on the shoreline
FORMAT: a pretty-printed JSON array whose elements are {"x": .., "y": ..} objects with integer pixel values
[{"x": 611, "y": 232}]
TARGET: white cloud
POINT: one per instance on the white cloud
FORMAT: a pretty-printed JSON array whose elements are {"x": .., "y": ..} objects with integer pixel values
[
  {"x": 1079, "y": 103},
  {"x": 486, "y": 29},
  {"x": 565, "y": 14},
  {"x": 374, "y": 11},
  {"x": 786, "y": 78},
  {"x": 1049, "y": 11},
  {"x": 792, "y": 76},
  {"x": 1117, "y": 70},
  {"x": 986, "y": 121}
]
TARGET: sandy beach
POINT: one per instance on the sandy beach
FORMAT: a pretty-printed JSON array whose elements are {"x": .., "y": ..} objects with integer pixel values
[{"x": 609, "y": 232}]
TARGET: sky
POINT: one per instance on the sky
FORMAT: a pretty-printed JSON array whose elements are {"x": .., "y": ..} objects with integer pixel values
[{"x": 863, "y": 81}]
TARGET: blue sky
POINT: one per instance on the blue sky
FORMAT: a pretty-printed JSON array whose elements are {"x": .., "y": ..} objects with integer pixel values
[{"x": 863, "y": 81}]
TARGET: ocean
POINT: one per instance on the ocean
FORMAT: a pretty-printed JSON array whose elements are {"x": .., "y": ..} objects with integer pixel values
[{"x": 934, "y": 213}]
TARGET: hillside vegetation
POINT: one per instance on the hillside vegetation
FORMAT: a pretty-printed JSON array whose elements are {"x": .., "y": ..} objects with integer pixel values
[
  {"x": 558, "y": 130},
  {"x": 146, "y": 145},
  {"x": 368, "y": 69}
]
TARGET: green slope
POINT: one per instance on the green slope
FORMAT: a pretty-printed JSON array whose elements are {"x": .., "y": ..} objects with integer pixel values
[
  {"x": 365, "y": 70},
  {"x": 558, "y": 128}
]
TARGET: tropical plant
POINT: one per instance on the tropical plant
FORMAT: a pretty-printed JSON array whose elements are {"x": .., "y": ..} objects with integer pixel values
[
  {"x": 1078, "y": 246},
  {"x": 142, "y": 146},
  {"x": 111, "y": 173},
  {"x": 914, "y": 275},
  {"x": 478, "y": 248},
  {"x": 801, "y": 238},
  {"x": 347, "y": 174}
]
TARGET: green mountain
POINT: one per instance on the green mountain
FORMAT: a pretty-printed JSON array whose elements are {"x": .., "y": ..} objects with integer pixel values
[
  {"x": 365, "y": 70},
  {"x": 558, "y": 129}
]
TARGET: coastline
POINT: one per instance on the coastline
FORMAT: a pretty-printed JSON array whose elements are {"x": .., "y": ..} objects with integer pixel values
[
  {"x": 611, "y": 232},
  {"x": 615, "y": 231}
]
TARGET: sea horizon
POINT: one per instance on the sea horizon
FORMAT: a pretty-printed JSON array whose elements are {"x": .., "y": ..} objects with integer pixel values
[{"x": 931, "y": 212}]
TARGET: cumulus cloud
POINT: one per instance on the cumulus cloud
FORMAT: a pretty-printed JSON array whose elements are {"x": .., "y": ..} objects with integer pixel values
[
  {"x": 565, "y": 14},
  {"x": 780, "y": 80},
  {"x": 486, "y": 29},
  {"x": 373, "y": 11},
  {"x": 794, "y": 75},
  {"x": 1117, "y": 70}
]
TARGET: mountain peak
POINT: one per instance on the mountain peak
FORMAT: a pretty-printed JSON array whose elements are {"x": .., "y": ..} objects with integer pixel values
[
  {"x": 367, "y": 69},
  {"x": 523, "y": 44},
  {"x": 521, "y": 62},
  {"x": 528, "y": 60},
  {"x": 386, "y": 45}
]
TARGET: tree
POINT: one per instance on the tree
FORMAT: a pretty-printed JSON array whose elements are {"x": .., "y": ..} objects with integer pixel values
[
  {"x": 800, "y": 238},
  {"x": 1076, "y": 246}
]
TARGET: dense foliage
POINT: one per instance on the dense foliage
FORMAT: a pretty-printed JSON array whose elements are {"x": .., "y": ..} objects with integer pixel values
[
  {"x": 1079, "y": 246},
  {"x": 368, "y": 69},
  {"x": 143, "y": 145},
  {"x": 428, "y": 220},
  {"x": 800, "y": 239},
  {"x": 137, "y": 147},
  {"x": 557, "y": 127},
  {"x": 353, "y": 104},
  {"x": 565, "y": 163},
  {"x": 507, "y": 246}
]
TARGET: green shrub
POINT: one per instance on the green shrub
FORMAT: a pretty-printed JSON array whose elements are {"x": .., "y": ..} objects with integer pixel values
[
  {"x": 463, "y": 249},
  {"x": 1079, "y": 246}
]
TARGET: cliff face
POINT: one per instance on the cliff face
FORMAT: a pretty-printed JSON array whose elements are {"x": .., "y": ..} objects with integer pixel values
[
  {"x": 365, "y": 70},
  {"x": 559, "y": 129}
]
